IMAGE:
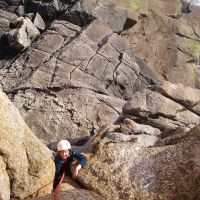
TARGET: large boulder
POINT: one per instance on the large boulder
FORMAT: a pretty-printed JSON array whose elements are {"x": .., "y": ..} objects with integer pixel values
[
  {"x": 151, "y": 151},
  {"x": 187, "y": 96},
  {"x": 163, "y": 170},
  {"x": 21, "y": 37},
  {"x": 152, "y": 108},
  {"x": 23, "y": 158}
]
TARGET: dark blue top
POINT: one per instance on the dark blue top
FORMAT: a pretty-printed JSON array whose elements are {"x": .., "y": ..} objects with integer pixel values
[{"x": 62, "y": 166}]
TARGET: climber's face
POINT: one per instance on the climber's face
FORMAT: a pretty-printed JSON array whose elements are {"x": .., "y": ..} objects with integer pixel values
[{"x": 64, "y": 154}]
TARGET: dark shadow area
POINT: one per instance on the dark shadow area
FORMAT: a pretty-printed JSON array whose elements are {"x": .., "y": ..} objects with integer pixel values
[
  {"x": 129, "y": 24},
  {"x": 78, "y": 18},
  {"x": 6, "y": 53}
]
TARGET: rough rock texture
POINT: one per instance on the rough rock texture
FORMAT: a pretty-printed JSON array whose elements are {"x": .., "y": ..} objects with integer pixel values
[
  {"x": 39, "y": 22},
  {"x": 69, "y": 113},
  {"x": 96, "y": 70},
  {"x": 152, "y": 108},
  {"x": 27, "y": 162},
  {"x": 4, "y": 181},
  {"x": 5, "y": 19},
  {"x": 21, "y": 37},
  {"x": 169, "y": 41},
  {"x": 47, "y": 9},
  {"x": 186, "y": 96},
  {"x": 76, "y": 77},
  {"x": 76, "y": 194},
  {"x": 118, "y": 18},
  {"x": 105, "y": 62},
  {"x": 151, "y": 152},
  {"x": 165, "y": 170}
]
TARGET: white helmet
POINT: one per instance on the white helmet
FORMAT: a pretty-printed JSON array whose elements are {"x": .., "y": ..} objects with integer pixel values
[{"x": 63, "y": 145}]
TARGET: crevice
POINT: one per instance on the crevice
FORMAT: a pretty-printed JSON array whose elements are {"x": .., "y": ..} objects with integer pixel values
[
  {"x": 109, "y": 105},
  {"x": 48, "y": 90},
  {"x": 184, "y": 36},
  {"x": 114, "y": 72},
  {"x": 183, "y": 51}
]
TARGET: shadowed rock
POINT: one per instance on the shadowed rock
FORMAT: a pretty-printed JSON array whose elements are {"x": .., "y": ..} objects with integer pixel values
[{"x": 22, "y": 36}]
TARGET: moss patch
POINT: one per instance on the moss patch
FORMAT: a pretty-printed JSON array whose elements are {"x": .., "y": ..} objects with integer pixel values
[
  {"x": 192, "y": 47},
  {"x": 185, "y": 30},
  {"x": 133, "y": 4}
]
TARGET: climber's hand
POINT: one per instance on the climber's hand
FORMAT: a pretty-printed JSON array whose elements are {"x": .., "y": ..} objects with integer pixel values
[{"x": 76, "y": 170}]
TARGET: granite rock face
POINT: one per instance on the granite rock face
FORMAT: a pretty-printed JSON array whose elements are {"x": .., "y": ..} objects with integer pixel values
[
  {"x": 97, "y": 70},
  {"x": 168, "y": 40},
  {"x": 151, "y": 152},
  {"x": 74, "y": 114},
  {"x": 4, "y": 181},
  {"x": 121, "y": 170},
  {"x": 80, "y": 79},
  {"x": 27, "y": 168}
]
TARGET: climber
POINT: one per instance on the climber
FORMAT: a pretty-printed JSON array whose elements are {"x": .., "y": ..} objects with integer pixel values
[{"x": 64, "y": 162}]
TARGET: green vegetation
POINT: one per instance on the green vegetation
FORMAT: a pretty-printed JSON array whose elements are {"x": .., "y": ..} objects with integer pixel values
[
  {"x": 192, "y": 47},
  {"x": 133, "y": 4},
  {"x": 185, "y": 30}
]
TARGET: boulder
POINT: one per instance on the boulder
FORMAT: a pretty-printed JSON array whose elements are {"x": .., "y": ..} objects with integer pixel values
[
  {"x": 121, "y": 170},
  {"x": 29, "y": 163},
  {"x": 22, "y": 36},
  {"x": 187, "y": 96},
  {"x": 152, "y": 108}
]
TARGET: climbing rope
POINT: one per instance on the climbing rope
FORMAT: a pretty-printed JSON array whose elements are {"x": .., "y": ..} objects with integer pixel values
[{"x": 56, "y": 192}]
